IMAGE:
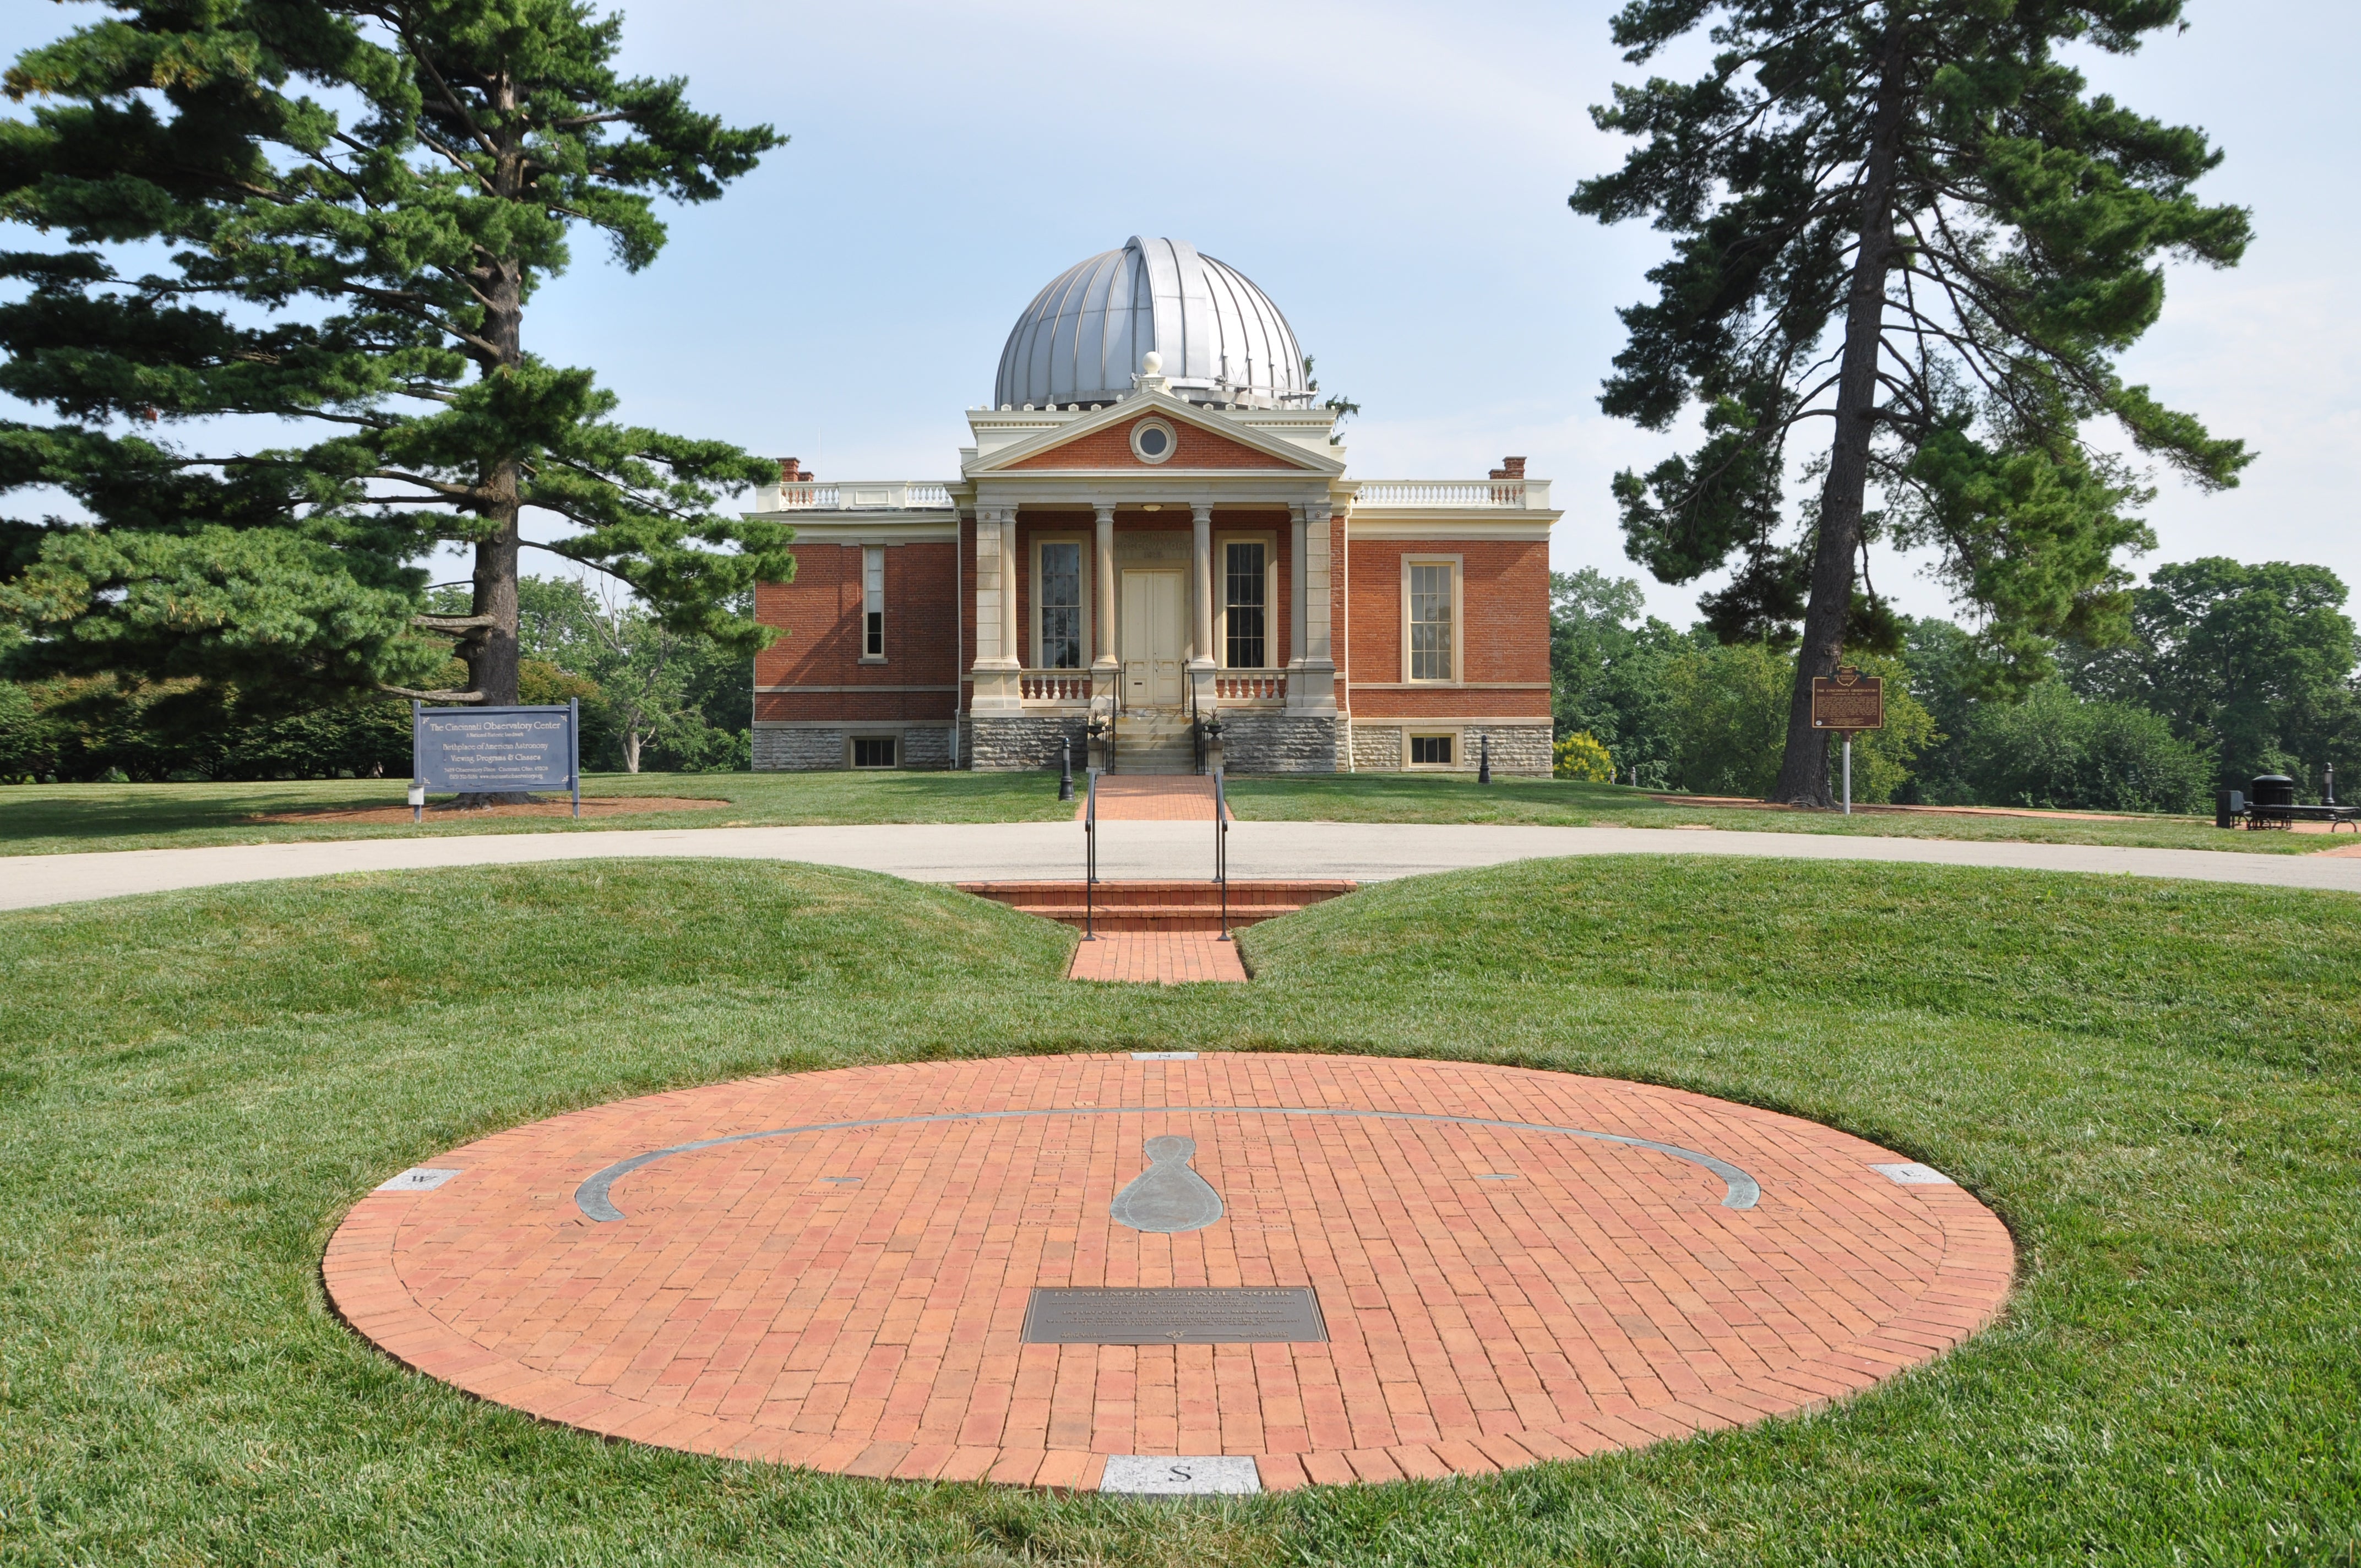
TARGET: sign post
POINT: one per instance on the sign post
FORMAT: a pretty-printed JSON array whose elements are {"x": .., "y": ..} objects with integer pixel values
[
  {"x": 1845, "y": 702},
  {"x": 495, "y": 750}
]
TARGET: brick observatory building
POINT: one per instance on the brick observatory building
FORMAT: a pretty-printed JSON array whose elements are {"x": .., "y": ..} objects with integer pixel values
[{"x": 1154, "y": 545}]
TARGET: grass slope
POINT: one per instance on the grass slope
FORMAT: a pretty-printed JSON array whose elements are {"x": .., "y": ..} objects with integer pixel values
[
  {"x": 2153, "y": 1084},
  {"x": 56, "y": 818}
]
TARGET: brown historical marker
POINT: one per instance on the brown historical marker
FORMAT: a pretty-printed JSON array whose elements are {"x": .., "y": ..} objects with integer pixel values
[{"x": 1848, "y": 701}]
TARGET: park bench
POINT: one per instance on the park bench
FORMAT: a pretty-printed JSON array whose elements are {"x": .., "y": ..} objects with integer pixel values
[{"x": 2273, "y": 806}]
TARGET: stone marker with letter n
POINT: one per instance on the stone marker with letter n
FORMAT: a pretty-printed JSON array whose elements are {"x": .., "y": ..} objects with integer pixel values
[
  {"x": 1845, "y": 702},
  {"x": 495, "y": 750}
]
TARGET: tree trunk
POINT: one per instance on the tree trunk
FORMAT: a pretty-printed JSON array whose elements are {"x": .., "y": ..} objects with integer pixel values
[
  {"x": 632, "y": 748},
  {"x": 493, "y": 652},
  {"x": 1803, "y": 768}
]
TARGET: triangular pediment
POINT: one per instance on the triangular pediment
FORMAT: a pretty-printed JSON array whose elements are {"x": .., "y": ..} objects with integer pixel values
[{"x": 1101, "y": 442}]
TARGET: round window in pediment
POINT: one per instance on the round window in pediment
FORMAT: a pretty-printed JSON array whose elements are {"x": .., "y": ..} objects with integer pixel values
[{"x": 1153, "y": 441}]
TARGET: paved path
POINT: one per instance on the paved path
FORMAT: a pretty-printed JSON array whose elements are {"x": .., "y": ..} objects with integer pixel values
[
  {"x": 1157, "y": 958},
  {"x": 1021, "y": 850}
]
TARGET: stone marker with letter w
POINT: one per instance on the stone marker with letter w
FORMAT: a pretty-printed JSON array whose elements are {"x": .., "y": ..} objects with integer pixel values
[
  {"x": 1845, "y": 702},
  {"x": 494, "y": 751}
]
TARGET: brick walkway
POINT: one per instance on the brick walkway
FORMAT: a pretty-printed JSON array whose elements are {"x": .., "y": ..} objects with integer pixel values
[
  {"x": 851, "y": 1298},
  {"x": 1152, "y": 797},
  {"x": 1157, "y": 958}
]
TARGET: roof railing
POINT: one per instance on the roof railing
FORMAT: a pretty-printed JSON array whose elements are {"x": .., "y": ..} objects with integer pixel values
[
  {"x": 1507, "y": 495},
  {"x": 918, "y": 494},
  {"x": 853, "y": 495}
]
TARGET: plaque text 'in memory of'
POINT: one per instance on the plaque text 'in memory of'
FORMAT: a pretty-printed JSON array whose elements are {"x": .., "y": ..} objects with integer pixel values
[{"x": 1174, "y": 1315}]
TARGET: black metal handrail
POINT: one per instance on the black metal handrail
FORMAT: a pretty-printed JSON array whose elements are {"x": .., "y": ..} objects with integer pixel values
[
  {"x": 1221, "y": 849},
  {"x": 1091, "y": 858}
]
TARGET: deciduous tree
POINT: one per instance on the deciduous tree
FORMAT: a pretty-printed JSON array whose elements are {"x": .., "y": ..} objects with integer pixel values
[
  {"x": 1907, "y": 218},
  {"x": 2254, "y": 664}
]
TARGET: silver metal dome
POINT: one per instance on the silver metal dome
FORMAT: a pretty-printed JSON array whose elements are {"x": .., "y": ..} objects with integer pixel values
[{"x": 1082, "y": 339}]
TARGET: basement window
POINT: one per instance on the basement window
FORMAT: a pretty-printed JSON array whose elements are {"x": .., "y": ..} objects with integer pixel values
[
  {"x": 1430, "y": 750},
  {"x": 874, "y": 750}
]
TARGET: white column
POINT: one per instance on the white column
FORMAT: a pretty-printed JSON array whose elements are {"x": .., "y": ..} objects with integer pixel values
[
  {"x": 1012, "y": 572},
  {"x": 1299, "y": 574},
  {"x": 1311, "y": 683},
  {"x": 995, "y": 609},
  {"x": 1203, "y": 641},
  {"x": 1102, "y": 575}
]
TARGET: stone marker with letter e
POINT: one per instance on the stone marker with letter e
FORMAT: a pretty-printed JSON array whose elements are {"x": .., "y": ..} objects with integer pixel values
[{"x": 1845, "y": 702}]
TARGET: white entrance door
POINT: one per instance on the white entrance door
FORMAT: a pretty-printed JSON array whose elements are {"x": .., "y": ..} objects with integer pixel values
[{"x": 1151, "y": 638}]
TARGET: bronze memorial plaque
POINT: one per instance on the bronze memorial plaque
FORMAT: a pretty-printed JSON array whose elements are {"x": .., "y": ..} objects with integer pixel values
[
  {"x": 1848, "y": 701},
  {"x": 1176, "y": 1314}
]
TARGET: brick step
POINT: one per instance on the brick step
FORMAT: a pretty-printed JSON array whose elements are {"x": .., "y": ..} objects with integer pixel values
[{"x": 1147, "y": 905}]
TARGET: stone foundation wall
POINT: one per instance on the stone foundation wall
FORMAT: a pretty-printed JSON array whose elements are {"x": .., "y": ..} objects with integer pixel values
[
  {"x": 1377, "y": 749},
  {"x": 820, "y": 747},
  {"x": 1268, "y": 741},
  {"x": 1014, "y": 743},
  {"x": 1522, "y": 749},
  {"x": 780, "y": 748},
  {"x": 1519, "y": 748}
]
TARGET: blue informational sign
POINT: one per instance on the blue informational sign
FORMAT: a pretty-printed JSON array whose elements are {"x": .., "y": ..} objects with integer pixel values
[{"x": 490, "y": 750}]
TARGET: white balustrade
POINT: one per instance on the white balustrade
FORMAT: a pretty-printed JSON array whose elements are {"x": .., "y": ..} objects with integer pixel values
[
  {"x": 1056, "y": 688},
  {"x": 1507, "y": 495},
  {"x": 1248, "y": 688},
  {"x": 887, "y": 495}
]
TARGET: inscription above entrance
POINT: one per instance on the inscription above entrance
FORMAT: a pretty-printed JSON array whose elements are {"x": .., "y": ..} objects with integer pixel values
[{"x": 1174, "y": 1315}]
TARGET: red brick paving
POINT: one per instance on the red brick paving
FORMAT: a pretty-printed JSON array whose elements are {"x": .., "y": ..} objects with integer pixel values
[
  {"x": 746, "y": 1305},
  {"x": 1152, "y": 797},
  {"x": 1157, "y": 958}
]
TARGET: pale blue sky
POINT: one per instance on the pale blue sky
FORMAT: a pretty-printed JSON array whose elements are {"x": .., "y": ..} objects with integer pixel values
[{"x": 1395, "y": 177}]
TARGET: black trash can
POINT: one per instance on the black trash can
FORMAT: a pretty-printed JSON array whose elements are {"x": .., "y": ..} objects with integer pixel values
[{"x": 2270, "y": 797}]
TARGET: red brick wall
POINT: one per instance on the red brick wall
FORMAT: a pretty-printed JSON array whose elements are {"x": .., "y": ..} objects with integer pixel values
[
  {"x": 821, "y": 645},
  {"x": 1193, "y": 448},
  {"x": 1504, "y": 597}
]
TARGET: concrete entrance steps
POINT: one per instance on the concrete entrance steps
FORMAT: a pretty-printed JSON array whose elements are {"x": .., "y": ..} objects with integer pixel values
[
  {"x": 1172, "y": 907},
  {"x": 1154, "y": 741}
]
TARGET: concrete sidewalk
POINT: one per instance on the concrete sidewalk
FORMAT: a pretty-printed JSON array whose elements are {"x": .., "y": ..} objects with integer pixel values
[{"x": 1031, "y": 851}]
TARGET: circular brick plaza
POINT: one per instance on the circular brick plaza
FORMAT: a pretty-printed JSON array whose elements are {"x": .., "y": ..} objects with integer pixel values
[{"x": 1328, "y": 1268}]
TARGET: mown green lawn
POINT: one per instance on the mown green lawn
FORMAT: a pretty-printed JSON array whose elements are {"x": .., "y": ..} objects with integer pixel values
[
  {"x": 1430, "y": 797},
  {"x": 55, "y": 819},
  {"x": 2155, "y": 1084},
  {"x": 45, "y": 819}
]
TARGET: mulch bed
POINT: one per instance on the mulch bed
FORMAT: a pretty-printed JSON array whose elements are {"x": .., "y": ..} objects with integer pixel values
[{"x": 605, "y": 805}]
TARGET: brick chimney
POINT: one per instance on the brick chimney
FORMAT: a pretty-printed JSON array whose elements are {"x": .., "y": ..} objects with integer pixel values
[
  {"x": 791, "y": 472},
  {"x": 1510, "y": 468}
]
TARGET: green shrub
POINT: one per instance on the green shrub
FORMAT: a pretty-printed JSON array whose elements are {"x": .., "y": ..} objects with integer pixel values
[
  {"x": 2056, "y": 751},
  {"x": 1729, "y": 717},
  {"x": 1580, "y": 756}
]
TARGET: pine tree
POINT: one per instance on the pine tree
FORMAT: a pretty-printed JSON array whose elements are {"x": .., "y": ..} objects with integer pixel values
[
  {"x": 343, "y": 208},
  {"x": 1909, "y": 219}
]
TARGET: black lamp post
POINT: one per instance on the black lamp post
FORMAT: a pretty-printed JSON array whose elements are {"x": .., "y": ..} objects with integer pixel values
[
  {"x": 1065, "y": 767},
  {"x": 1484, "y": 759}
]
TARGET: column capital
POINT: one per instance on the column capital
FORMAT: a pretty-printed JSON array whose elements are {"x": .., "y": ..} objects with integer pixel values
[
  {"x": 1201, "y": 511},
  {"x": 1103, "y": 511}
]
